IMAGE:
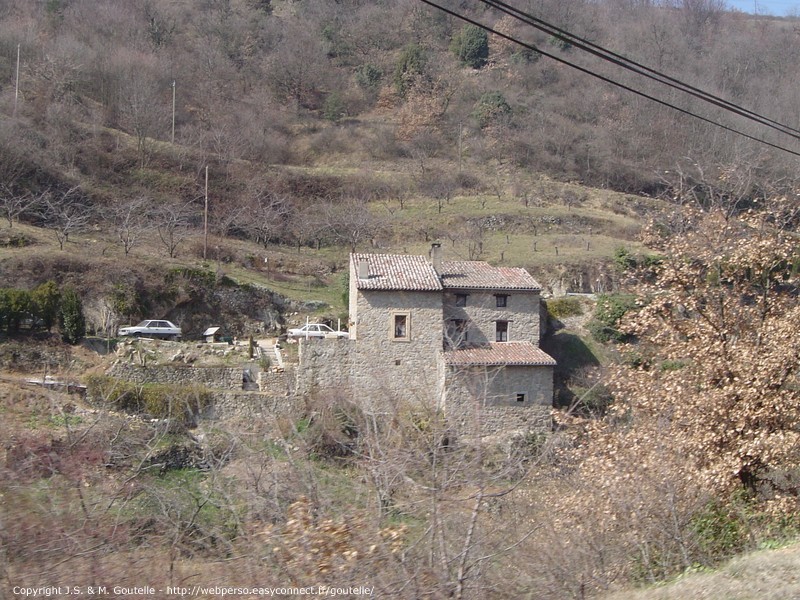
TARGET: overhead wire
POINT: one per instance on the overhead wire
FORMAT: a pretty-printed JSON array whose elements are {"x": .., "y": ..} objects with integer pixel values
[
  {"x": 606, "y": 79},
  {"x": 638, "y": 68}
]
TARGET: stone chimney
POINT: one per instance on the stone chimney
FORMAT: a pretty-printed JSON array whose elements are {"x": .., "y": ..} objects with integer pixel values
[
  {"x": 436, "y": 257},
  {"x": 363, "y": 268}
]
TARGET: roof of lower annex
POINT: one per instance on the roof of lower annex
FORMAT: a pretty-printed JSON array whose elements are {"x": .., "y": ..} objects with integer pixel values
[
  {"x": 500, "y": 354},
  {"x": 396, "y": 272},
  {"x": 473, "y": 274}
]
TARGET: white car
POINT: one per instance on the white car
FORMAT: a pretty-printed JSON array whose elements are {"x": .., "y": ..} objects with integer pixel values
[
  {"x": 316, "y": 330},
  {"x": 152, "y": 329}
]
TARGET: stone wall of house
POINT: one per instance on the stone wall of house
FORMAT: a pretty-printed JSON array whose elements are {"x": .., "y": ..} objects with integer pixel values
[
  {"x": 390, "y": 366},
  {"x": 324, "y": 364},
  {"x": 522, "y": 311},
  {"x": 345, "y": 366},
  {"x": 226, "y": 378},
  {"x": 483, "y": 401}
]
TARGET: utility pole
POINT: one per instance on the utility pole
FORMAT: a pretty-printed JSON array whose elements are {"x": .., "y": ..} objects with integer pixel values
[
  {"x": 205, "y": 219},
  {"x": 173, "y": 111},
  {"x": 16, "y": 87}
]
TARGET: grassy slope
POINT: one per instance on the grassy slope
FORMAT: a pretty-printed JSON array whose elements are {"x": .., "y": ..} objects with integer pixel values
[{"x": 763, "y": 575}]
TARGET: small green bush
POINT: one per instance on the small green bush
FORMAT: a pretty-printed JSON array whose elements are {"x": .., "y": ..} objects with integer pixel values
[
  {"x": 46, "y": 300},
  {"x": 608, "y": 312},
  {"x": 612, "y": 307},
  {"x": 603, "y": 333},
  {"x": 596, "y": 400},
  {"x": 559, "y": 308},
  {"x": 369, "y": 77},
  {"x": 672, "y": 365},
  {"x": 202, "y": 277},
  {"x": 491, "y": 107},
  {"x": 624, "y": 260},
  {"x": 333, "y": 108},
  {"x": 720, "y": 531},
  {"x": 412, "y": 64}
]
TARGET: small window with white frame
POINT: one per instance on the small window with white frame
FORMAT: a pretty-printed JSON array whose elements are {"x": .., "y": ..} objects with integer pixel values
[{"x": 400, "y": 327}]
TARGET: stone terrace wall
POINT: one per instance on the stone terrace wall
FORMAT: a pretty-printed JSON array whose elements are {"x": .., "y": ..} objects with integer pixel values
[
  {"x": 226, "y": 378},
  {"x": 255, "y": 405},
  {"x": 275, "y": 400}
]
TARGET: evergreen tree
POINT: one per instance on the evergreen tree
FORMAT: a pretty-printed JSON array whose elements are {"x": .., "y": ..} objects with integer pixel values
[
  {"x": 471, "y": 46},
  {"x": 71, "y": 319},
  {"x": 46, "y": 299}
]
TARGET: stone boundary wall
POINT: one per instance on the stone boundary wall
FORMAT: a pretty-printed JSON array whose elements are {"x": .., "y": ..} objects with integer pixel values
[
  {"x": 255, "y": 405},
  {"x": 275, "y": 400},
  {"x": 226, "y": 378}
]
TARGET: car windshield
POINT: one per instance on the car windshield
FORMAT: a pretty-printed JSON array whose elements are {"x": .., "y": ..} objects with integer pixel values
[{"x": 143, "y": 324}]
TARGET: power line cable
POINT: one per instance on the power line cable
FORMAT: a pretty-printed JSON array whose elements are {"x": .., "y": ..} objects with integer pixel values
[
  {"x": 607, "y": 79},
  {"x": 638, "y": 68}
]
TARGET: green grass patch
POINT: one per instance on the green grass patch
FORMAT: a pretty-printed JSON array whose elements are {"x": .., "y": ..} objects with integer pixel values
[{"x": 182, "y": 403}]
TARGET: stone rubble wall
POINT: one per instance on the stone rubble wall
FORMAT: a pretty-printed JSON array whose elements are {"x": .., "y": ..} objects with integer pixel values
[
  {"x": 226, "y": 378},
  {"x": 255, "y": 405},
  {"x": 276, "y": 398}
]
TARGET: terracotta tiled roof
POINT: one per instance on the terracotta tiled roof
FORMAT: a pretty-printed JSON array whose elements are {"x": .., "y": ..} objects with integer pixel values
[
  {"x": 397, "y": 272},
  {"x": 474, "y": 274},
  {"x": 500, "y": 354}
]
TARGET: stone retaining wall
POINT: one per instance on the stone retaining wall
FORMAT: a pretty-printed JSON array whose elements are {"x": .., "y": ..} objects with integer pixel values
[
  {"x": 275, "y": 398},
  {"x": 254, "y": 405},
  {"x": 226, "y": 378}
]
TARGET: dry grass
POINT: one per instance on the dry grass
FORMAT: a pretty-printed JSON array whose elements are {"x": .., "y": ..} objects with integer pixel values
[{"x": 763, "y": 575}]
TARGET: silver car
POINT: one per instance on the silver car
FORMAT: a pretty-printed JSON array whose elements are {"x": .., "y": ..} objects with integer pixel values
[
  {"x": 316, "y": 330},
  {"x": 152, "y": 329}
]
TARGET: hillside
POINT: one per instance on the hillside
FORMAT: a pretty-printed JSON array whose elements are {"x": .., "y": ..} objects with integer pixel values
[{"x": 215, "y": 162}]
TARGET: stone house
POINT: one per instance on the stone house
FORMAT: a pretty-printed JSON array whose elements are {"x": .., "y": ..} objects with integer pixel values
[{"x": 463, "y": 334}]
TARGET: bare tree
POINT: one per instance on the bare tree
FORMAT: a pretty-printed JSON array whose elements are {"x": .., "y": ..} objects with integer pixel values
[
  {"x": 306, "y": 226},
  {"x": 132, "y": 219},
  {"x": 267, "y": 219},
  {"x": 14, "y": 204},
  {"x": 173, "y": 225},
  {"x": 352, "y": 222},
  {"x": 65, "y": 213},
  {"x": 143, "y": 108}
]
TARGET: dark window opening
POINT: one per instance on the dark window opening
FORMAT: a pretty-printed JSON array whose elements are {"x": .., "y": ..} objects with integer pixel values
[
  {"x": 520, "y": 397},
  {"x": 502, "y": 301},
  {"x": 501, "y": 331},
  {"x": 461, "y": 299}
]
